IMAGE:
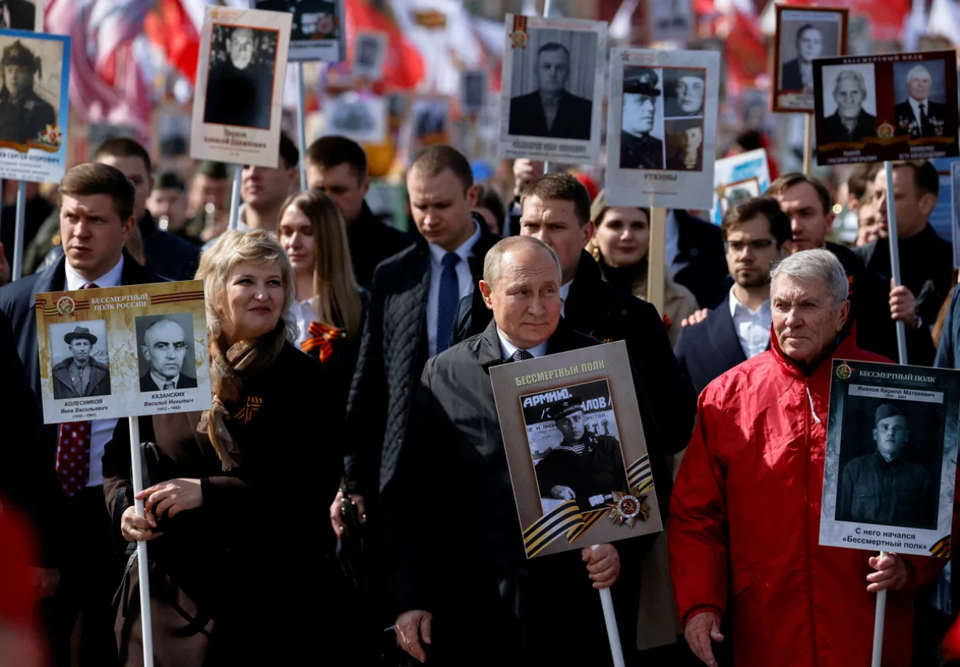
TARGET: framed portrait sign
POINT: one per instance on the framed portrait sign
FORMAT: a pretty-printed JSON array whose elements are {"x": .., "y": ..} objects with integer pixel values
[
  {"x": 898, "y": 106},
  {"x": 238, "y": 104},
  {"x": 123, "y": 351},
  {"x": 33, "y": 134},
  {"x": 803, "y": 34},
  {"x": 369, "y": 55},
  {"x": 363, "y": 119},
  {"x": 739, "y": 177},
  {"x": 891, "y": 460},
  {"x": 559, "y": 63},
  {"x": 473, "y": 91},
  {"x": 575, "y": 448},
  {"x": 428, "y": 123},
  {"x": 316, "y": 31},
  {"x": 662, "y": 128}
]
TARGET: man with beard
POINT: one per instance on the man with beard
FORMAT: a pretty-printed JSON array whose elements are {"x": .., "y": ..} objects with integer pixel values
[
  {"x": 850, "y": 123},
  {"x": 638, "y": 149},
  {"x": 687, "y": 99},
  {"x": 24, "y": 115},
  {"x": 239, "y": 90},
  {"x": 551, "y": 111},
  {"x": 80, "y": 375},
  {"x": 798, "y": 73}
]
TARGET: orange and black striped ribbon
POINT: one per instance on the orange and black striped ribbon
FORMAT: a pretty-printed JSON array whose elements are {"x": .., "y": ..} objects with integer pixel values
[{"x": 321, "y": 338}]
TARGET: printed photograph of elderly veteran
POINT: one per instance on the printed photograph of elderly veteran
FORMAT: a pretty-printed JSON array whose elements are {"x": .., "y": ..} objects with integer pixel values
[
  {"x": 886, "y": 487},
  {"x": 639, "y": 148},
  {"x": 80, "y": 375},
  {"x": 797, "y": 73},
  {"x": 919, "y": 115},
  {"x": 850, "y": 96},
  {"x": 164, "y": 344},
  {"x": 240, "y": 80}
]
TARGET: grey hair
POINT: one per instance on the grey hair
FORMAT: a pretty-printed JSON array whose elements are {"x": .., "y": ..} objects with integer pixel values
[
  {"x": 850, "y": 74},
  {"x": 916, "y": 70},
  {"x": 493, "y": 262},
  {"x": 815, "y": 266}
]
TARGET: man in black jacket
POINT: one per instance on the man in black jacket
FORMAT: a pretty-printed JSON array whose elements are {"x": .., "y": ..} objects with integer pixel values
[
  {"x": 470, "y": 573},
  {"x": 338, "y": 166},
  {"x": 96, "y": 214},
  {"x": 695, "y": 257},
  {"x": 556, "y": 210}
]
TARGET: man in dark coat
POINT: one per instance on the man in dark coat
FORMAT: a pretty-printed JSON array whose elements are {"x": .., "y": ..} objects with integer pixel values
[
  {"x": 695, "y": 257},
  {"x": 96, "y": 209},
  {"x": 338, "y": 166},
  {"x": 849, "y": 123},
  {"x": 19, "y": 15},
  {"x": 551, "y": 111},
  {"x": 918, "y": 116},
  {"x": 24, "y": 115},
  {"x": 638, "y": 148},
  {"x": 80, "y": 374},
  {"x": 472, "y": 572},
  {"x": 239, "y": 89},
  {"x": 164, "y": 348}
]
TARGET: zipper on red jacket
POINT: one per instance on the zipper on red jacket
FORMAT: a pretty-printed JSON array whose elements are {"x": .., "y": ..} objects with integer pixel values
[{"x": 806, "y": 521}]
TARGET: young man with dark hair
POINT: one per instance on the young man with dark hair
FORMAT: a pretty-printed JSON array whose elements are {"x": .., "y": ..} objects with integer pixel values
[
  {"x": 210, "y": 187},
  {"x": 168, "y": 204},
  {"x": 97, "y": 205},
  {"x": 756, "y": 235},
  {"x": 338, "y": 166}
]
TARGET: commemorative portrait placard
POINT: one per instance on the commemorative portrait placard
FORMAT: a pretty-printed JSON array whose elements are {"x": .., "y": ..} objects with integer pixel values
[
  {"x": 898, "y": 106},
  {"x": 553, "y": 74},
  {"x": 891, "y": 459},
  {"x": 123, "y": 351},
  {"x": 316, "y": 28},
  {"x": 739, "y": 177},
  {"x": 804, "y": 34},
  {"x": 662, "y": 128},
  {"x": 238, "y": 103},
  {"x": 575, "y": 448}
]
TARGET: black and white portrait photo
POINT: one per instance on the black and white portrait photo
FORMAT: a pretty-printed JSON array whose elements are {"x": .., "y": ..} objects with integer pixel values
[
  {"x": 242, "y": 67},
  {"x": 166, "y": 356},
  {"x": 684, "y": 90},
  {"x": 735, "y": 192},
  {"x": 919, "y": 92},
  {"x": 671, "y": 19},
  {"x": 849, "y": 103},
  {"x": 473, "y": 91},
  {"x": 363, "y": 119},
  {"x": 22, "y": 15},
  {"x": 641, "y": 127},
  {"x": 369, "y": 54},
  {"x": 684, "y": 144},
  {"x": 30, "y": 98},
  {"x": 802, "y": 36},
  {"x": 312, "y": 19},
  {"x": 81, "y": 365},
  {"x": 575, "y": 445},
  {"x": 552, "y": 85}
]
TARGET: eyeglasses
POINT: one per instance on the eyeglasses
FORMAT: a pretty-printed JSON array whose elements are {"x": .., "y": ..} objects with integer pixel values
[{"x": 738, "y": 247}]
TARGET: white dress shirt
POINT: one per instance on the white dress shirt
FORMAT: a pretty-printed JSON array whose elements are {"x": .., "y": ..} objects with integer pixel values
[
  {"x": 507, "y": 348},
  {"x": 672, "y": 243},
  {"x": 101, "y": 430},
  {"x": 304, "y": 315},
  {"x": 752, "y": 326},
  {"x": 464, "y": 282},
  {"x": 915, "y": 105},
  {"x": 564, "y": 293}
]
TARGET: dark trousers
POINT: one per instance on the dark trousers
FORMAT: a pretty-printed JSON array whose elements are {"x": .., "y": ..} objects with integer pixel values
[{"x": 90, "y": 573}]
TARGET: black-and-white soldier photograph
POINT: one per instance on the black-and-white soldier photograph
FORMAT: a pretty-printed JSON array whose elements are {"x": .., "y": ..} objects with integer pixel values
[
  {"x": 684, "y": 91},
  {"x": 641, "y": 127},
  {"x": 891, "y": 456},
  {"x": 804, "y": 34},
  {"x": 166, "y": 358},
  {"x": 242, "y": 67},
  {"x": 81, "y": 365},
  {"x": 30, "y": 98}
]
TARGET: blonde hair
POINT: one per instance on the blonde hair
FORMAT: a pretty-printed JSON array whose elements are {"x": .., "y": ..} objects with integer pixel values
[
  {"x": 232, "y": 248},
  {"x": 336, "y": 297}
]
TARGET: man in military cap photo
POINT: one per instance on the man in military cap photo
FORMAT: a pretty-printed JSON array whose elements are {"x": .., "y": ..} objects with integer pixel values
[
  {"x": 239, "y": 87},
  {"x": 885, "y": 487},
  {"x": 584, "y": 467},
  {"x": 80, "y": 375},
  {"x": 638, "y": 148},
  {"x": 24, "y": 115}
]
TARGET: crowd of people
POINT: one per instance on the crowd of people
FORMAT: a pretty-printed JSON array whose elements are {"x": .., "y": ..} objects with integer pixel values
[{"x": 373, "y": 467}]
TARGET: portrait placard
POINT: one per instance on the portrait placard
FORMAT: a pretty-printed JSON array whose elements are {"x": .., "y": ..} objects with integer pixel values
[
  {"x": 123, "y": 351},
  {"x": 559, "y": 63},
  {"x": 891, "y": 459},
  {"x": 363, "y": 119},
  {"x": 672, "y": 20},
  {"x": 739, "y": 177},
  {"x": 369, "y": 55},
  {"x": 662, "y": 128},
  {"x": 34, "y": 106},
  {"x": 316, "y": 31},
  {"x": 428, "y": 123},
  {"x": 575, "y": 448},
  {"x": 237, "y": 108},
  {"x": 898, "y": 106},
  {"x": 803, "y": 34},
  {"x": 473, "y": 91}
]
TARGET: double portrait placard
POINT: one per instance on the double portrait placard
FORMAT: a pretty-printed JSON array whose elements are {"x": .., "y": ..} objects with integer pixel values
[
  {"x": 575, "y": 448},
  {"x": 123, "y": 351}
]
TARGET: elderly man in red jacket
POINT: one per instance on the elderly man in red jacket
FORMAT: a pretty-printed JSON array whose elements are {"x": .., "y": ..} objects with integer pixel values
[{"x": 745, "y": 513}]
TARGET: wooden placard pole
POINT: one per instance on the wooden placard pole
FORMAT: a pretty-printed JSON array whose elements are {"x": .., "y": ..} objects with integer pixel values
[
  {"x": 18, "y": 241},
  {"x": 143, "y": 563},
  {"x": 895, "y": 257},
  {"x": 808, "y": 145},
  {"x": 657, "y": 258},
  {"x": 235, "y": 197},
  {"x": 301, "y": 126}
]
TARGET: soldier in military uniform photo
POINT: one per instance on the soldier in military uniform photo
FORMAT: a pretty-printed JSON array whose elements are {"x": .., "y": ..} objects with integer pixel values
[
  {"x": 639, "y": 149},
  {"x": 24, "y": 115},
  {"x": 584, "y": 467},
  {"x": 239, "y": 87},
  {"x": 80, "y": 374}
]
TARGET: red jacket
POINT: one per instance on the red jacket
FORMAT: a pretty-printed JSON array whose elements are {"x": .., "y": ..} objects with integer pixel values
[{"x": 745, "y": 525}]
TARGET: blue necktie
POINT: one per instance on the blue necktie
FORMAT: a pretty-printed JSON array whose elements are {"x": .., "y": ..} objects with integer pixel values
[{"x": 448, "y": 301}]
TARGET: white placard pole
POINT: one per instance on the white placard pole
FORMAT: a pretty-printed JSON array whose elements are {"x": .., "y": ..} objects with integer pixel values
[
  {"x": 610, "y": 618},
  {"x": 878, "y": 620},
  {"x": 235, "y": 197},
  {"x": 18, "y": 241},
  {"x": 895, "y": 257},
  {"x": 656, "y": 258},
  {"x": 547, "y": 8},
  {"x": 143, "y": 564},
  {"x": 808, "y": 145},
  {"x": 301, "y": 126}
]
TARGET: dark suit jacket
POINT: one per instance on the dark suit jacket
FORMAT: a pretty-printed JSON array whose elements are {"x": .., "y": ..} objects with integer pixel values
[
  {"x": 572, "y": 122},
  {"x": 166, "y": 254},
  {"x": 701, "y": 246},
  {"x": 836, "y": 131},
  {"x": 903, "y": 115},
  {"x": 792, "y": 80},
  {"x": 371, "y": 242},
  {"x": 473, "y": 571},
  {"x": 185, "y": 382}
]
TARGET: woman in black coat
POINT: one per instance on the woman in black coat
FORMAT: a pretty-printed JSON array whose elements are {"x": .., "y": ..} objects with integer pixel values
[{"x": 239, "y": 574}]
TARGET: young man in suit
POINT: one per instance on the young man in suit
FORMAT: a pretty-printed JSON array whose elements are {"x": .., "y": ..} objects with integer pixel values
[{"x": 756, "y": 234}]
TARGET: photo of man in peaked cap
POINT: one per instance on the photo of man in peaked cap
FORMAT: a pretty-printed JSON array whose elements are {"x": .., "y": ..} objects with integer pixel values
[
  {"x": 638, "y": 148},
  {"x": 584, "y": 467},
  {"x": 80, "y": 374},
  {"x": 24, "y": 115}
]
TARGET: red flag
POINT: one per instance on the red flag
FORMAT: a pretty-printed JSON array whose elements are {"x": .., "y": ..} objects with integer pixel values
[{"x": 170, "y": 27}]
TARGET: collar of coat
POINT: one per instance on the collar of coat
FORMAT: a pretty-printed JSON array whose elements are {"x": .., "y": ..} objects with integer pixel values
[
  {"x": 562, "y": 340},
  {"x": 844, "y": 348}
]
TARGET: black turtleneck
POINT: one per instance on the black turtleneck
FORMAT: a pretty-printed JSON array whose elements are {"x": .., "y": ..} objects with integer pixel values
[{"x": 623, "y": 277}]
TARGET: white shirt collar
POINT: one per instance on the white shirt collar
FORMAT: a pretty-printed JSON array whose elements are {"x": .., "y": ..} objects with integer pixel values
[
  {"x": 109, "y": 279},
  {"x": 465, "y": 251},
  {"x": 565, "y": 291},
  {"x": 160, "y": 381},
  {"x": 736, "y": 306},
  {"x": 507, "y": 348},
  {"x": 915, "y": 105}
]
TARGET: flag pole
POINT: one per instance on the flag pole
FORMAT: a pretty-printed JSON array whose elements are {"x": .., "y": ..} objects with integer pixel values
[
  {"x": 143, "y": 564},
  {"x": 301, "y": 126},
  {"x": 18, "y": 242}
]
